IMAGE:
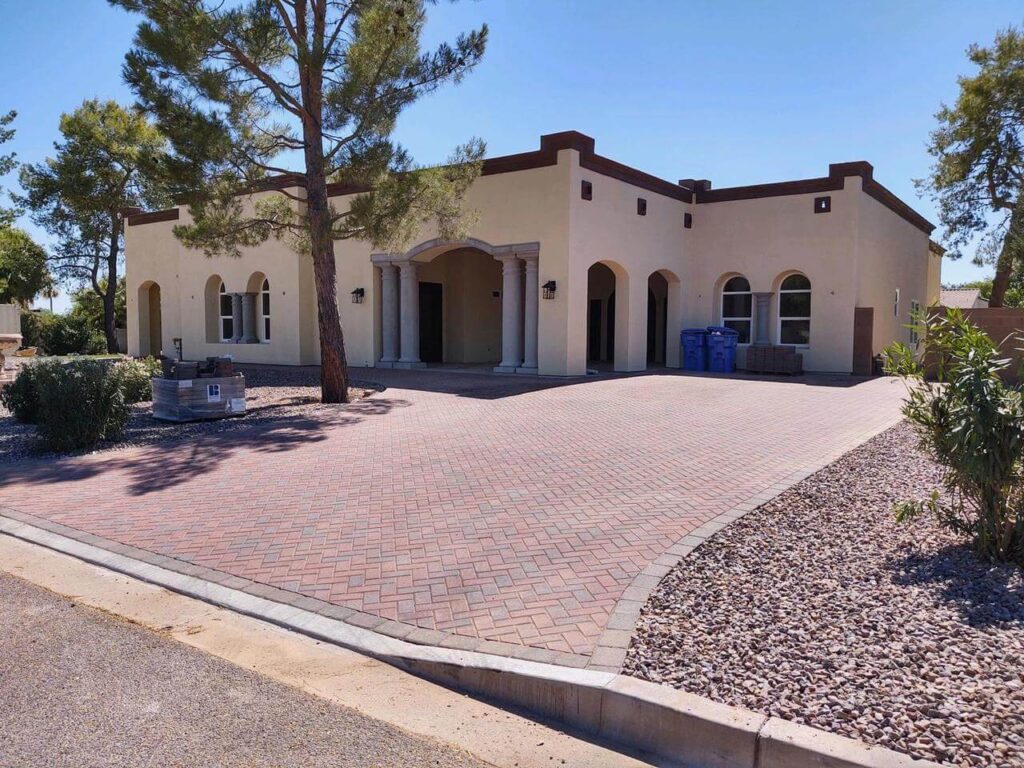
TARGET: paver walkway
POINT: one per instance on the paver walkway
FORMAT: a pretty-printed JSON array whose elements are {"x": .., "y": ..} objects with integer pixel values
[{"x": 493, "y": 508}]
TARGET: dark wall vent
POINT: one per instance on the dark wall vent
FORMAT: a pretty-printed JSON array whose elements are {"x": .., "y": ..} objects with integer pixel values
[
  {"x": 641, "y": 207},
  {"x": 587, "y": 190},
  {"x": 688, "y": 220}
]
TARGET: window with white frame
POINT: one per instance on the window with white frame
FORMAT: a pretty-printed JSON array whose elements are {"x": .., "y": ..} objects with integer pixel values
[
  {"x": 265, "y": 310},
  {"x": 227, "y": 316},
  {"x": 915, "y": 318},
  {"x": 737, "y": 307},
  {"x": 795, "y": 311}
]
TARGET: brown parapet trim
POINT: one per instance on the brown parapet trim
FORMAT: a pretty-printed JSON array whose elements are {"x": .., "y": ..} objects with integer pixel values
[
  {"x": 837, "y": 172},
  {"x": 170, "y": 214}
]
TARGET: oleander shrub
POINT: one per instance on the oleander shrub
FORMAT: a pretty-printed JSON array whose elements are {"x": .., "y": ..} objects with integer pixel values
[
  {"x": 21, "y": 396},
  {"x": 135, "y": 378},
  {"x": 80, "y": 403},
  {"x": 971, "y": 423}
]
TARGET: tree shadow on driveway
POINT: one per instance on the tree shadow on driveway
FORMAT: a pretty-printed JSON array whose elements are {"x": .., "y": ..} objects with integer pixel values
[
  {"x": 158, "y": 466},
  {"x": 984, "y": 594}
]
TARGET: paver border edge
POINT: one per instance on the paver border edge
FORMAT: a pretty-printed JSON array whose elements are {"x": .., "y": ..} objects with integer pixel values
[
  {"x": 645, "y": 717},
  {"x": 613, "y": 643}
]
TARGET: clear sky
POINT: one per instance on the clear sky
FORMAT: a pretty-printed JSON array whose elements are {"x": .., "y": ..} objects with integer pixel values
[{"x": 739, "y": 92}]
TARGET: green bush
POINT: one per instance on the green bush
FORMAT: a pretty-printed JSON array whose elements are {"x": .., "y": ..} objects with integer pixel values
[
  {"x": 21, "y": 397},
  {"x": 972, "y": 423},
  {"x": 61, "y": 334},
  {"x": 134, "y": 378},
  {"x": 80, "y": 403}
]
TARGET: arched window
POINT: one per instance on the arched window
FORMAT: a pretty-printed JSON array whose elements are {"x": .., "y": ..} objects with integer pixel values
[
  {"x": 795, "y": 311},
  {"x": 227, "y": 317},
  {"x": 737, "y": 306},
  {"x": 265, "y": 310}
]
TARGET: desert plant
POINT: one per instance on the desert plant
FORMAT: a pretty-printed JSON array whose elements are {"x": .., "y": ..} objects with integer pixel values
[
  {"x": 80, "y": 403},
  {"x": 134, "y": 378},
  {"x": 21, "y": 396},
  {"x": 972, "y": 423}
]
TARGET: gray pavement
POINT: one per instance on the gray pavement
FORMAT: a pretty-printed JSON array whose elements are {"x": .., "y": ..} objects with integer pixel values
[{"x": 82, "y": 688}]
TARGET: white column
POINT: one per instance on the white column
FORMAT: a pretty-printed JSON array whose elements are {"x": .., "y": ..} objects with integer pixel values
[
  {"x": 236, "y": 317},
  {"x": 389, "y": 314},
  {"x": 410, "y": 310},
  {"x": 762, "y": 330},
  {"x": 531, "y": 308},
  {"x": 511, "y": 313},
  {"x": 249, "y": 318}
]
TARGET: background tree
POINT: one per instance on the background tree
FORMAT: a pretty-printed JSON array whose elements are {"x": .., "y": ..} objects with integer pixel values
[
  {"x": 87, "y": 305},
  {"x": 241, "y": 89},
  {"x": 978, "y": 176},
  {"x": 23, "y": 271},
  {"x": 108, "y": 161},
  {"x": 7, "y": 164}
]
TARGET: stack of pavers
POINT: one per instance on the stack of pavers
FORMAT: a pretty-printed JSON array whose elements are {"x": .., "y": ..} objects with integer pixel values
[
  {"x": 774, "y": 359},
  {"x": 190, "y": 391}
]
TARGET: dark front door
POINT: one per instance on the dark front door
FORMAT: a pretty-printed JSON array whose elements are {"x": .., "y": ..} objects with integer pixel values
[
  {"x": 431, "y": 338},
  {"x": 594, "y": 330},
  {"x": 611, "y": 328}
]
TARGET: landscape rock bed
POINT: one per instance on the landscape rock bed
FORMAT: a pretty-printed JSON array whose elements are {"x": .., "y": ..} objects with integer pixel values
[
  {"x": 819, "y": 608},
  {"x": 273, "y": 394}
]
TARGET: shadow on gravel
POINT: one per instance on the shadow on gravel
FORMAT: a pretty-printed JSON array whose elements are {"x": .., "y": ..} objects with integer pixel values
[
  {"x": 158, "y": 466},
  {"x": 984, "y": 594}
]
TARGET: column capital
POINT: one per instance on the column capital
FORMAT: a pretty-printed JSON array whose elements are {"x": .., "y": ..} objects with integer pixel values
[
  {"x": 763, "y": 294},
  {"x": 506, "y": 257},
  {"x": 530, "y": 258}
]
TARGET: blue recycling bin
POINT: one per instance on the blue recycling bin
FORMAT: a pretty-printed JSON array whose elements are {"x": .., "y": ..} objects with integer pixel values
[
  {"x": 722, "y": 349},
  {"x": 695, "y": 349}
]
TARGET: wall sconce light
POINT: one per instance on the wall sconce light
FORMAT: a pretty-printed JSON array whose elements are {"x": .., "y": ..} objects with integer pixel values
[
  {"x": 549, "y": 289},
  {"x": 357, "y": 295}
]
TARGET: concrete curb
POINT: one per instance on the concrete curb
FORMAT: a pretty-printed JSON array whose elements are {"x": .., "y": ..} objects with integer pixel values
[
  {"x": 610, "y": 652},
  {"x": 672, "y": 725}
]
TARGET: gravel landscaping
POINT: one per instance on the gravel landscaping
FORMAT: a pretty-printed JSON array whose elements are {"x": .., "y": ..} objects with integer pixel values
[
  {"x": 819, "y": 608},
  {"x": 273, "y": 394}
]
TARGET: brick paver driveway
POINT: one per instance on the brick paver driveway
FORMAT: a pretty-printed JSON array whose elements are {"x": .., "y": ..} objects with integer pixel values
[{"x": 489, "y": 508}]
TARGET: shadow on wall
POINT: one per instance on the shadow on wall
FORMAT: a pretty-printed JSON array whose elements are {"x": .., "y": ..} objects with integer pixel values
[{"x": 159, "y": 466}]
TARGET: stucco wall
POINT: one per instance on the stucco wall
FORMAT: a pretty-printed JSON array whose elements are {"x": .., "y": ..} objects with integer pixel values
[
  {"x": 766, "y": 239},
  {"x": 892, "y": 255},
  {"x": 607, "y": 229},
  {"x": 10, "y": 319}
]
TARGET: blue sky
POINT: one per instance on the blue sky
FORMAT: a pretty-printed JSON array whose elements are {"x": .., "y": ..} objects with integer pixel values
[{"x": 737, "y": 92}]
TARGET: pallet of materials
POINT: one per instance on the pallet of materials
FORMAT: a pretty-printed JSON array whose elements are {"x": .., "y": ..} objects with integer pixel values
[{"x": 208, "y": 397}]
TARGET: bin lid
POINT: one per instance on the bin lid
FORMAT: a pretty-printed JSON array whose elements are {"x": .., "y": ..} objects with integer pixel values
[
  {"x": 718, "y": 330},
  {"x": 695, "y": 330}
]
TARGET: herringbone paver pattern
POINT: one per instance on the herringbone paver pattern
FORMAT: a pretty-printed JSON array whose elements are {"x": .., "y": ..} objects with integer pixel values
[{"x": 474, "y": 505}]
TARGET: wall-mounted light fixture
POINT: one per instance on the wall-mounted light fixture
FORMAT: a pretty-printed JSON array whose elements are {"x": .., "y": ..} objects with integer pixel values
[
  {"x": 357, "y": 295},
  {"x": 549, "y": 289}
]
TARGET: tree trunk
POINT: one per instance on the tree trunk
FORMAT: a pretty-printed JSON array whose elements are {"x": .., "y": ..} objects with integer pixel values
[
  {"x": 1011, "y": 254},
  {"x": 110, "y": 294},
  {"x": 333, "y": 365}
]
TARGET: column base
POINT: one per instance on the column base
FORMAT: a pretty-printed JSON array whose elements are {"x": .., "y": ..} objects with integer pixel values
[
  {"x": 408, "y": 366},
  {"x": 384, "y": 364},
  {"x": 505, "y": 368},
  {"x": 527, "y": 369}
]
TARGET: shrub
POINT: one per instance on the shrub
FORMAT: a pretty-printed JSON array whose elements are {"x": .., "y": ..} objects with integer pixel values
[
  {"x": 70, "y": 335},
  {"x": 80, "y": 403},
  {"x": 972, "y": 423},
  {"x": 21, "y": 397},
  {"x": 134, "y": 377}
]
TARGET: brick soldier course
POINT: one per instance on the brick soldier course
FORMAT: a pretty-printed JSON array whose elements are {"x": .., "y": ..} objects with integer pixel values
[{"x": 517, "y": 516}]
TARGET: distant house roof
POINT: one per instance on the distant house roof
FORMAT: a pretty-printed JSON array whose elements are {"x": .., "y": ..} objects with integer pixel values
[{"x": 969, "y": 298}]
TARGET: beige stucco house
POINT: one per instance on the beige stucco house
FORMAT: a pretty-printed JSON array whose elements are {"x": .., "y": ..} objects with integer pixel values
[{"x": 575, "y": 261}]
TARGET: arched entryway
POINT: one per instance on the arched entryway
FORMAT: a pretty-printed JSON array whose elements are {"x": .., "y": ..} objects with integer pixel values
[
  {"x": 662, "y": 319},
  {"x": 607, "y": 316},
  {"x": 460, "y": 308},
  {"x": 150, "y": 322}
]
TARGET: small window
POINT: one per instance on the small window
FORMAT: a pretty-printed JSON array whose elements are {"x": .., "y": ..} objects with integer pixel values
[
  {"x": 795, "y": 311},
  {"x": 823, "y": 204},
  {"x": 915, "y": 312},
  {"x": 265, "y": 310},
  {"x": 641, "y": 207},
  {"x": 687, "y": 221},
  {"x": 227, "y": 316},
  {"x": 896, "y": 304},
  {"x": 737, "y": 307},
  {"x": 587, "y": 190}
]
